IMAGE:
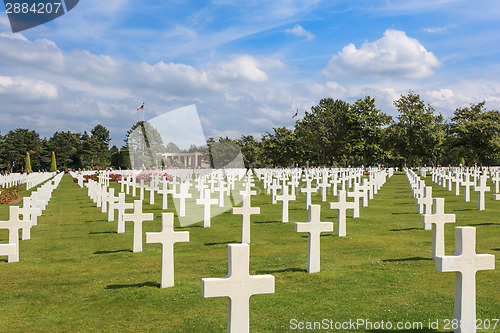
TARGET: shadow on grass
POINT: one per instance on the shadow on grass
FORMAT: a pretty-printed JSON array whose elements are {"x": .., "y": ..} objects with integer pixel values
[
  {"x": 406, "y": 213},
  {"x": 191, "y": 226},
  {"x": 114, "y": 251},
  {"x": 496, "y": 249},
  {"x": 267, "y": 222},
  {"x": 102, "y": 232},
  {"x": 328, "y": 234},
  {"x": 135, "y": 285},
  {"x": 464, "y": 210},
  {"x": 405, "y": 229},
  {"x": 293, "y": 269},
  {"x": 406, "y": 259},
  {"x": 487, "y": 223},
  {"x": 221, "y": 243}
]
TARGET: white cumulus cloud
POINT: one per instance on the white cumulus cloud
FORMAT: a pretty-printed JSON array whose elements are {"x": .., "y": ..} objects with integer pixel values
[
  {"x": 393, "y": 55},
  {"x": 17, "y": 87},
  {"x": 298, "y": 30}
]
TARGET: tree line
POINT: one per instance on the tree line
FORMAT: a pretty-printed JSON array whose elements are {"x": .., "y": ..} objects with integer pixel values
[
  {"x": 332, "y": 133},
  {"x": 336, "y": 133}
]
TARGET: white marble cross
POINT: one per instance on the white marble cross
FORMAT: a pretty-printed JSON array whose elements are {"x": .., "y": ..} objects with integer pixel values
[
  {"x": 138, "y": 217},
  {"x": 342, "y": 205},
  {"x": 481, "y": 189},
  {"x": 308, "y": 190},
  {"x": 164, "y": 192},
  {"x": 467, "y": 183},
  {"x": 274, "y": 188},
  {"x": 13, "y": 225},
  {"x": 239, "y": 286},
  {"x": 356, "y": 194},
  {"x": 167, "y": 238},
  {"x": 245, "y": 211},
  {"x": 465, "y": 263},
  {"x": 437, "y": 220},
  {"x": 31, "y": 214},
  {"x": 314, "y": 227},
  {"x": 182, "y": 196},
  {"x": 207, "y": 201},
  {"x": 121, "y": 206},
  {"x": 223, "y": 189},
  {"x": 426, "y": 201},
  {"x": 324, "y": 184},
  {"x": 285, "y": 197}
]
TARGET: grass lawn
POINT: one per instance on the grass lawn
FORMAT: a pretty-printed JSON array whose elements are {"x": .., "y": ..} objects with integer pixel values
[{"x": 76, "y": 274}]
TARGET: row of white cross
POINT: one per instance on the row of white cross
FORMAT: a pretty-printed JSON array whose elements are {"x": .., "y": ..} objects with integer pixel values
[
  {"x": 33, "y": 206},
  {"x": 465, "y": 262}
]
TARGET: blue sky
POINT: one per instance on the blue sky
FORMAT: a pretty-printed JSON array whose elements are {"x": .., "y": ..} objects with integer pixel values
[{"x": 247, "y": 64}]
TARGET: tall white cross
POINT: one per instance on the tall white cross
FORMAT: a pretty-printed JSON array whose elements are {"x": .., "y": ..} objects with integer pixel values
[
  {"x": 182, "y": 196},
  {"x": 314, "y": 227},
  {"x": 207, "y": 201},
  {"x": 164, "y": 192},
  {"x": 437, "y": 220},
  {"x": 426, "y": 200},
  {"x": 342, "y": 205},
  {"x": 481, "y": 189},
  {"x": 324, "y": 184},
  {"x": 167, "y": 238},
  {"x": 245, "y": 211},
  {"x": 29, "y": 213},
  {"x": 13, "y": 225},
  {"x": 285, "y": 197},
  {"x": 356, "y": 194},
  {"x": 121, "y": 206},
  {"x": 239, "y": 286},
  {"x": 465, "y": 263},
  {"x": 274, "y": 187},
  {"x": 308, "y": 190},
  {"x": 138, "y": 217},
  {"x": 467, "y": 183}
]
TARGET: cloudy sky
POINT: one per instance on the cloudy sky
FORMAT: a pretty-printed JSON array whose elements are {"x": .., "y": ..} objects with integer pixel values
[{"x": 245, "y": 64}]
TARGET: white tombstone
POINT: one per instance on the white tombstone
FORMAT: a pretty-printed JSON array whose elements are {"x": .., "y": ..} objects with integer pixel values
[
  {"x": 239, "y": 286},
  {"x": 164, "y": 192},
  {"x": 308, "y": 190},
  {"x": 121, "y": 206},
  {"x": 467, "y": 183},
  {"x": 356, "y": 194},
  {"x": 182, "y": 196},
  {"x": 436, "y": 221},
  {"x": 207, "y": 201},
  {"x": 13, "y": 225},
  {"x": 426, "y": 200},
  {"x": 342, "y": 206},
  {"x": 246, "y": 210},
  {"x": 167, "y": 238},
  {"x": 481, "y": 189},
  {"x": 138, "y": 217},
  {"x": 465, "y": 263},
  {"x": 285, "y": 197},
  {"x": 314, "y": 227}
]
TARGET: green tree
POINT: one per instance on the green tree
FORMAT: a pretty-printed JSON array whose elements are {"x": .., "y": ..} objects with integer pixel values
[
  {"x": 15, "y": 145},
  {"x": 27, "y": 167},
  {"x": 66, "y": 145},
  {"x": 144, "y": 144},
  {"x": 224, "y": 153},
  {"x": 475, "y": 134},
  {"x": 250, "y": 148},
  {"x": 324, "y": 133},
  {"x": 417, "y": 134},
  {"x": 367, "y": 131},
  {"x": 53, "y": 165},
  {"x": 101, "y": 138},
  {"x": 279, "y": 148}
]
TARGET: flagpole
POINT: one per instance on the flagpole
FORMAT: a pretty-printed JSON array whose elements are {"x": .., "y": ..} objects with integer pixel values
[{"x": 143, "y": 104}]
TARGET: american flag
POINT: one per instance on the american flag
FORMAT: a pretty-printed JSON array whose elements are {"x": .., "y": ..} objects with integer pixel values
[
  {"x": 296, "y": 114},
  {"x": 141, "y": 107}
]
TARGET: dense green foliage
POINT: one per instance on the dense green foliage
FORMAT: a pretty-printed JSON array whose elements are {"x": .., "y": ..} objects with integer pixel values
[{"x": 332, "y": 133}]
